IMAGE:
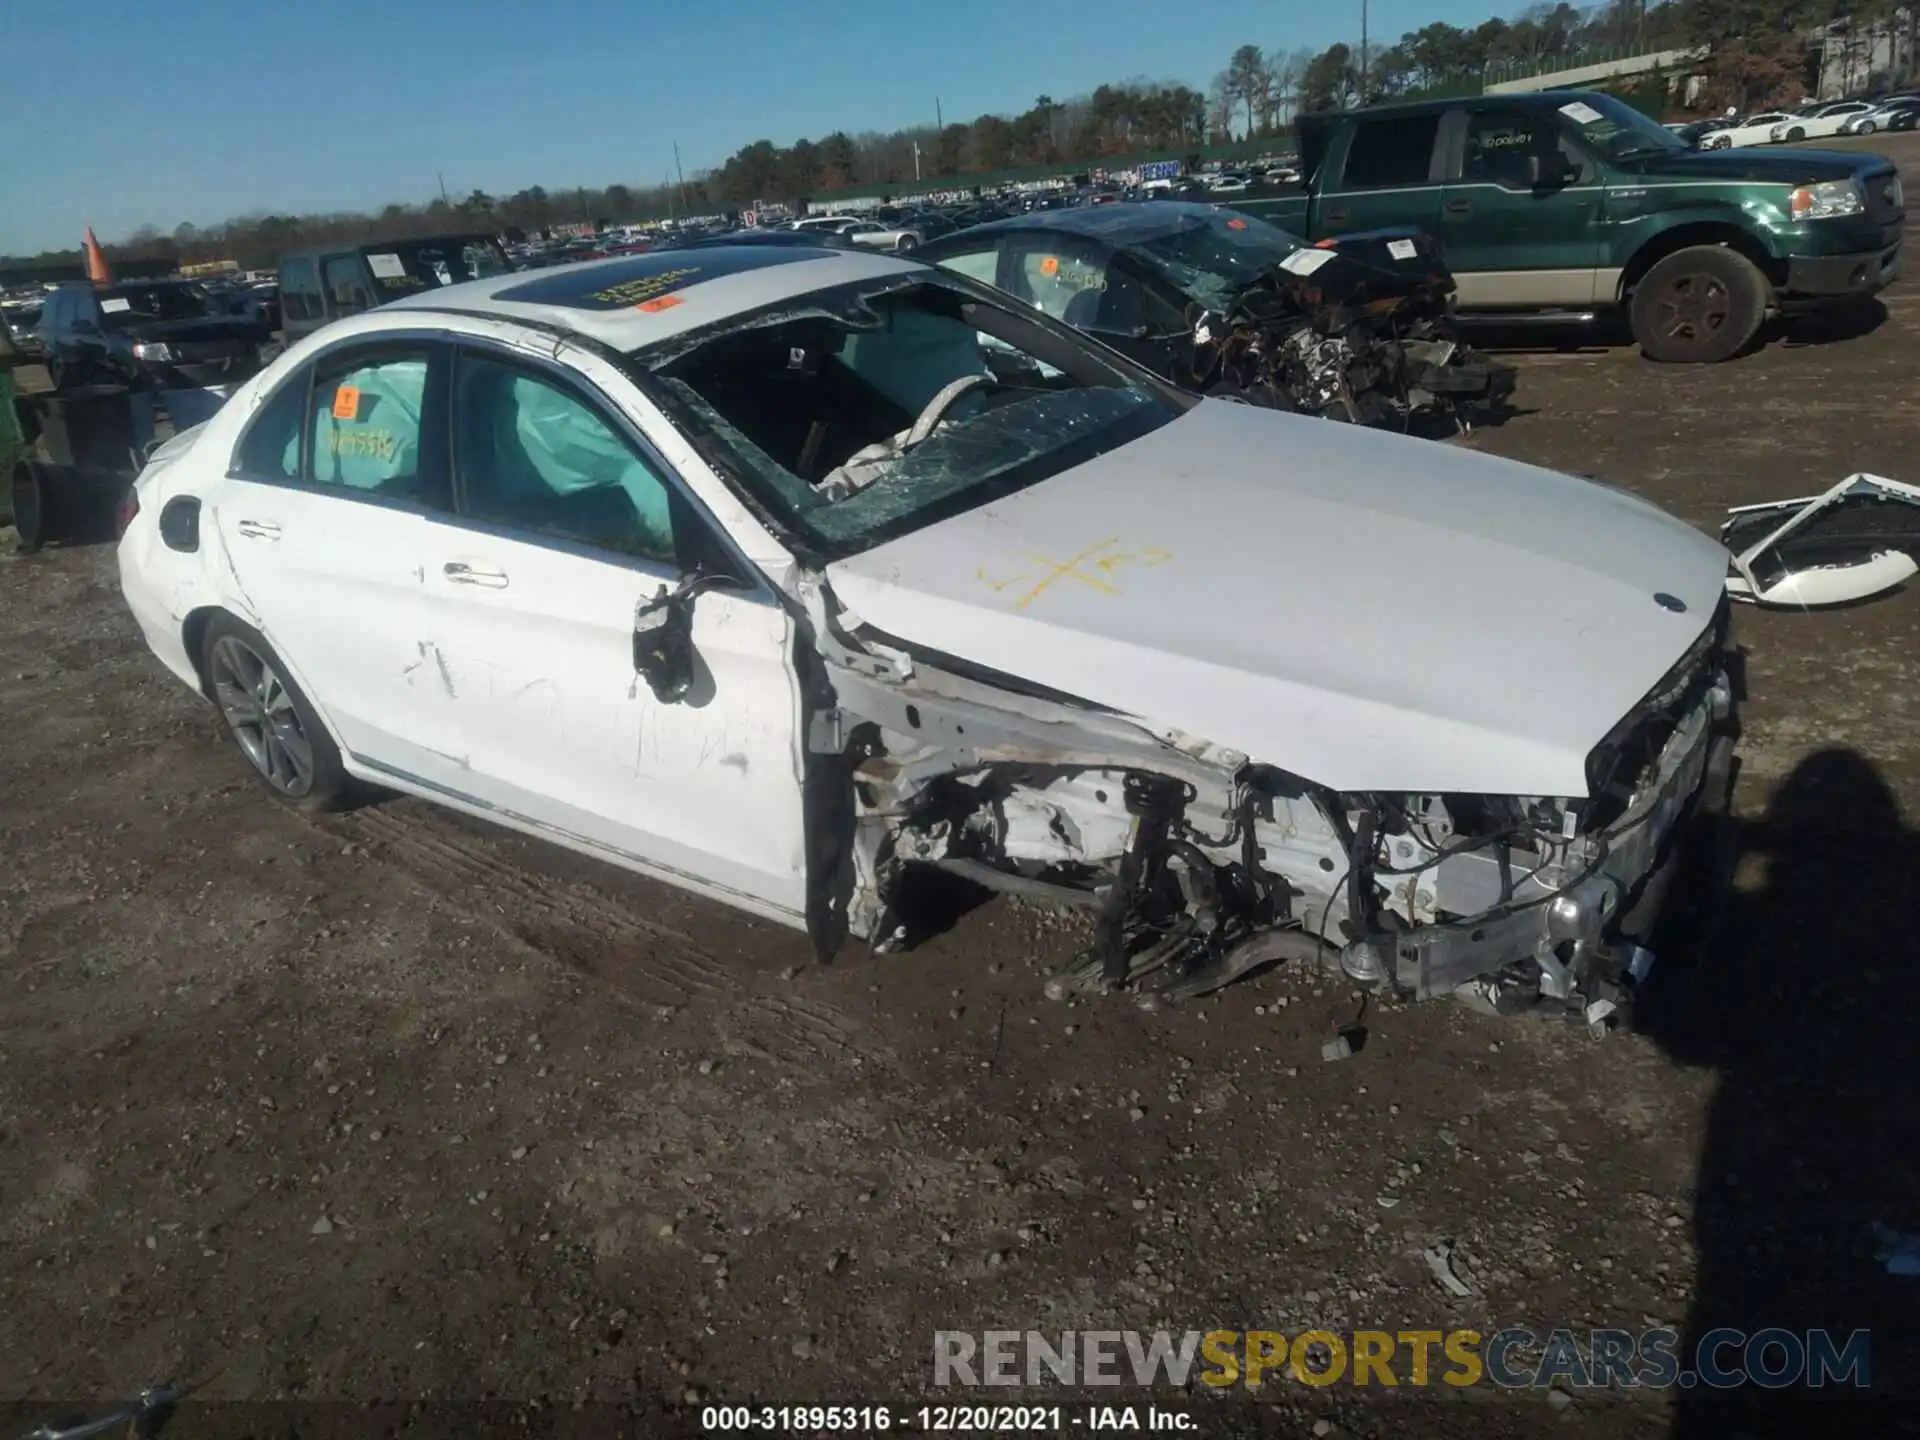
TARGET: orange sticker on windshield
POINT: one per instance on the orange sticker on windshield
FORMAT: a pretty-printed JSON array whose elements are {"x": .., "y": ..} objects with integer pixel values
[
  {"x": 1050, "y": 267},
  {"x": 659, "y": 302},
  {"x": 1236, "y": 224},
  {"x": 346, "y": 403}
]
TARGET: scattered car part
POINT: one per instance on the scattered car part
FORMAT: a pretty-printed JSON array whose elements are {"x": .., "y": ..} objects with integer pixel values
[
  {"x": 143, "y": 1416},
  {"x": 1439, "y": 1260},
  {"x": 1849, "y": 544}
]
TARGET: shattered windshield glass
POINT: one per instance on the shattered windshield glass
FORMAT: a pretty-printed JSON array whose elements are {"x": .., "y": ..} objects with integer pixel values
[
  {"x": 871, "y": 410},
  {"x": 1218, "y": 254}
]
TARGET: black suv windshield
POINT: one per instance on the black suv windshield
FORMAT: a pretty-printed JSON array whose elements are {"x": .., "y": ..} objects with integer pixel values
[
  {"x": 125, "y": 305},
  {"x": 871, "y": 410},
  {"x": 1218, "y": 254},
  {"x": 407, "y": 266}
]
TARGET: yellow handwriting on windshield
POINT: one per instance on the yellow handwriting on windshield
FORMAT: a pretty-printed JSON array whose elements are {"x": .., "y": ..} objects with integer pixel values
[{"x": 1095, "y": 566}]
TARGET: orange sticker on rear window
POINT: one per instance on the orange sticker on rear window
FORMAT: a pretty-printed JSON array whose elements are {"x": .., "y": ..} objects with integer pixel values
[
  {"x": 346, "y": 403},
  {"x": 1236, "y": 224},
  {"x": 659, "y": 302},
  {"x": 1050, "y": 266}
]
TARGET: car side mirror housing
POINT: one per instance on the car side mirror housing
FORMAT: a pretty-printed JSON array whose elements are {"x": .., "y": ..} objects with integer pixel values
[
  {"x": 663, "y": 653},
  {"x": 1547, "y": 172}
]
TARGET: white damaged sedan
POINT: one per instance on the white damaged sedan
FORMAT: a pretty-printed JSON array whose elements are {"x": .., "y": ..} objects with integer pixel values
[{"x": 782, "y": 573}]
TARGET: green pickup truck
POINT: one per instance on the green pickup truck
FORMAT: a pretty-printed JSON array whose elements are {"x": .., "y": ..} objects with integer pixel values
[{"x": 1566, "y": 205}]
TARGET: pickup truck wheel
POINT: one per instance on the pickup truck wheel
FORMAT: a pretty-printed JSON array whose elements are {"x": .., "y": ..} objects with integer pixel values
[{"x": 1698, "y": 306}]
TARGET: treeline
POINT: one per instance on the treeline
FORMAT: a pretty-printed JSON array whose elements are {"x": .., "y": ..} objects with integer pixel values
[{"x": 1759, "y": 54}]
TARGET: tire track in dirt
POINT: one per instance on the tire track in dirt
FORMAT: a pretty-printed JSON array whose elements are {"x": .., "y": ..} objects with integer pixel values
[{"x": 636, "y": 956}]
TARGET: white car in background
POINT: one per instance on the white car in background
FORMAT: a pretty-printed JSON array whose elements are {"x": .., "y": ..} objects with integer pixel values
[
  {"x": 832, "y": 224},
  {"x": 1893, "y": 114},
  {"x": 1753, "y": 130},
  {"x": 1823, "y": 122},
  {"x": 778, "y": 572}
]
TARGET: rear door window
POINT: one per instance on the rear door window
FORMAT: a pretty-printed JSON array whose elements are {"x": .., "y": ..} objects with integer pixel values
[
  {"x": 1062, "y": 277},
  {"x": 982, "y": 264},
  {"x": 365, "y": 424},
  {"x": 270, "y": 447},
  {"x": 1393, "y": 150}
]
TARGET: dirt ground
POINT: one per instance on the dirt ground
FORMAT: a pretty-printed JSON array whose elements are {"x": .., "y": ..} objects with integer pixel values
[{"x": 394, "y": 1108}]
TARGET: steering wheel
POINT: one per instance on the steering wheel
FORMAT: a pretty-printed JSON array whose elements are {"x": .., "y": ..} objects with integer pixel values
[{"x": 943, "y": 401}]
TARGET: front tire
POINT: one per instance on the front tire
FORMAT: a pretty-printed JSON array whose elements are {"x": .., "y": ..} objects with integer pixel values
[
  {"x": 269, "y": 720},
  {"x": 1698, "y": 306},
  {"x": 1796, "y": 134},
  {"x": 1866, "y": 127}
]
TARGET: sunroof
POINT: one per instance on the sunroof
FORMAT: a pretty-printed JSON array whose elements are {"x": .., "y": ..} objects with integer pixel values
[{"x": 624, "y": 284}]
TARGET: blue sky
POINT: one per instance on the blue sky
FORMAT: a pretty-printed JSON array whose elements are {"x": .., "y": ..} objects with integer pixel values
[{"x": 125, "y": 112}]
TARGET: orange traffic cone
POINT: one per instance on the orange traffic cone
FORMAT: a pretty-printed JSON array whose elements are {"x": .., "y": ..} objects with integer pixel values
[{"x": 97, "y": 270}]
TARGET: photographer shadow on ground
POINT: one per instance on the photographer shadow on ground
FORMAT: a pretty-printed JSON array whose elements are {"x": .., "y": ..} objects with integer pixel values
[{"x": 1808, "y": 1009}]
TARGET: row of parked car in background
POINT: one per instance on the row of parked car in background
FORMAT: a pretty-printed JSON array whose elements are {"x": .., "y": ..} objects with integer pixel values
[
  {"x": 1818, "y": 121},
  {"x": 1362, "y": 171}
]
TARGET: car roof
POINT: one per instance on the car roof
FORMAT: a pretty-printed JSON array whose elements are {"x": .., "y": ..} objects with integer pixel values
[
  {"x": 632, "y": 301},
  {"x": 1121, "y": 223}
]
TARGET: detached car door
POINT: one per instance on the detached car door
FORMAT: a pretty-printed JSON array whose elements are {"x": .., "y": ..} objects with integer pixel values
[
  {"x": 568, "y": 523},
  {"x": 1513, "y": 243},
  {"x": 323, "y": 516}
]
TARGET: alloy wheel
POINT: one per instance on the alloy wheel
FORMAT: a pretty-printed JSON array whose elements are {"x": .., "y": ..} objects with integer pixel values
[
  {"x": 1693, "y": 308},
  {"x": 260, "y": 712}
]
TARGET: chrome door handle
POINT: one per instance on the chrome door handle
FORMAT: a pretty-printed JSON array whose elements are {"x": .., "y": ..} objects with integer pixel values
[
  {"x": 258, "y": 529},
  {"x": 458, "y": 572}
]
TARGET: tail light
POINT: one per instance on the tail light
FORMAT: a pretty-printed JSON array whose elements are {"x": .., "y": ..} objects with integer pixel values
[{"x": 129, "y": 508}]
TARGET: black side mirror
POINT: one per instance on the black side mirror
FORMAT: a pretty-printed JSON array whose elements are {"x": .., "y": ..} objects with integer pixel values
[
  {"x": 663, "y": 653},
  {"x": 1547, "y": 171}
]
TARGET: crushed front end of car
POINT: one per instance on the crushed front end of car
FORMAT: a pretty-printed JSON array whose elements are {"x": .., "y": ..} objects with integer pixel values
[{"x": 1199, "y": 864}]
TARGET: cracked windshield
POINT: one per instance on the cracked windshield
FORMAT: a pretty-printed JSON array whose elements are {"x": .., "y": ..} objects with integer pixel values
[{"x": 869, "y": 411}]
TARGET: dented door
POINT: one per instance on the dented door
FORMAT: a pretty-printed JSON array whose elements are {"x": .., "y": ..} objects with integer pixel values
[
  {"x": 533, "y": 648},
  {"x": 565, "y": 523},
  {"x": 322, "y": 522}
]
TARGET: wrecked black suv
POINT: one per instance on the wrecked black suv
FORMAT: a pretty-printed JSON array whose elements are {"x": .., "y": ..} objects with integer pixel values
[{"x": 148, "y": 335}]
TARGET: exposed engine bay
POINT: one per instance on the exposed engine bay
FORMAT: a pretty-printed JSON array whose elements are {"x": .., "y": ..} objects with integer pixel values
[
  {"x": 1199, "y": 865},
  {"x": 1358, "y": 329}
]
